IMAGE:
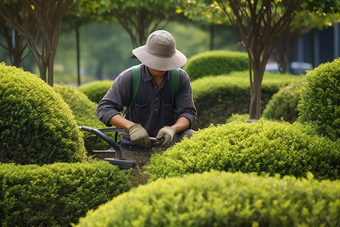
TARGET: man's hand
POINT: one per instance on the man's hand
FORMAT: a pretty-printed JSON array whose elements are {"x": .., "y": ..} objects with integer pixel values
[
  {"x": 168, "y": 134},
  {"x": 139, "y": 135}
]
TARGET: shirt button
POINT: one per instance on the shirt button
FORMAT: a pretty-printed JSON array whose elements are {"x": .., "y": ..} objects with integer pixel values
[
  {"x": 156, "y": 98},
  {"x": 156, "y": 109}
]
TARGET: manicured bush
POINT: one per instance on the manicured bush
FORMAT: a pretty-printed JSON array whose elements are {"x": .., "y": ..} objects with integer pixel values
[
  {"x": 56, "y": 194},
  {"x": 283, "y": 104},
  {"x": 223, "y": 199},
  {"x": 84, "y": 110},
  {"x": 216, "y": 62},
  {"x": 238, "y": 117},
  {"x": 263, "y": 147},
  {"x": 96, "y": 90},
  {"x": 320, "y": 99},
  {"x": 217, "y": 97},
  {"x": 36, "y": 125}
]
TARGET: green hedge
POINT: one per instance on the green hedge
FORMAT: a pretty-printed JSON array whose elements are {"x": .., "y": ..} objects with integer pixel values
[
  {"x": 217, "y": 97},
  {"x": 217, "y": 62},
  {"x": 263, "y": 147},
  {"x": 320, "y": 99},
  {"x": 283, "y": 104},
  {"x": 223, "y": 199},
  {"x": 36, "y": 125},
  {"x": 96, "y": 90},
  {"x": 83, "y": 109},
  {"x": 56, "y": 194}
]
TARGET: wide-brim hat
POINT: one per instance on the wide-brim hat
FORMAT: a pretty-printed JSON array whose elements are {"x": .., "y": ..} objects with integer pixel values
[{"x": 160, "y": 52}]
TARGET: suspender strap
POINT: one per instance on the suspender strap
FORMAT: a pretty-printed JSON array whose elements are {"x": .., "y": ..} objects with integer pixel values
[{"x": 174, "y": 79}]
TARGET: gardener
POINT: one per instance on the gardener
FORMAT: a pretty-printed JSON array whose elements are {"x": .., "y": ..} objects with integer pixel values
[{"x": 154, "y": 112}]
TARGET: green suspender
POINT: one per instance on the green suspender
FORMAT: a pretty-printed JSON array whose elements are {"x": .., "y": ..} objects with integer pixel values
[{"x": 136, "y": 76}]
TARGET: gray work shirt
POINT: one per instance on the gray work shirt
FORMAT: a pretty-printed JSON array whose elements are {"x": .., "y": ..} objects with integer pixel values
[{"x": 153, "y": 107}]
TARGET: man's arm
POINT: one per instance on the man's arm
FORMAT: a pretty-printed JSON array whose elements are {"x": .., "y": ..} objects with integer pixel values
[
  {"x": 121, "y": 122},
  {"x": 181, "y": 124}
]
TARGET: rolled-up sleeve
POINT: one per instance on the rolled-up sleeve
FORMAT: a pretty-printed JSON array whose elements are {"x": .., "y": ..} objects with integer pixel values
[
  {"x": 184, "y": 103},
  {"x": 116, "y": 98}
]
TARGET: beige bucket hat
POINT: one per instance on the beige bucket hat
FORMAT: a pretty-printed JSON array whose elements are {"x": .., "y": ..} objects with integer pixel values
[{"x": 160, "y": 52}]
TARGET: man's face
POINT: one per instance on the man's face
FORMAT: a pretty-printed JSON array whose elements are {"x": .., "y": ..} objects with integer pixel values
[{"x": 155, "y": 72}]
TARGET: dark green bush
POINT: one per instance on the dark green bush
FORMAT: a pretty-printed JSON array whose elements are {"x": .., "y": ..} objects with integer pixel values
[
  {"x": 56, "y": 194},
  {"x": 283, "y": 104},
  {"x": 96, "y": 90},
  {"x": 320, "y": 99},
  {"x": 266, "y": 146},
  {"x": 223, "y": 199},
  {"x": 217, "y": 62},
  {"x": 217, "y": 97},
  {"x": 36, "y": 125},
  {"x": 84, "y": 110}
]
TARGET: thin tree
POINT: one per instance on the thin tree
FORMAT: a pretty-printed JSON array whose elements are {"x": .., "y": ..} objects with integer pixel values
[{"x": 45, "y": 17}]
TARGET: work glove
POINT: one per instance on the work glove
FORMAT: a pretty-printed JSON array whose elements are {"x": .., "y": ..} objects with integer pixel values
[
  {"x": 168, "y": 134},
  {"x": 139, "y": 135}
]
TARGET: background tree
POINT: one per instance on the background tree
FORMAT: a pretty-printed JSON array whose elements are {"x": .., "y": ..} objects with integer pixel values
[
  {"x": 14, "y": 42},
  {"x": 302, "y": 23},
  {"x": 45, "y": 17},
  {"x": 261, "y": 23}
]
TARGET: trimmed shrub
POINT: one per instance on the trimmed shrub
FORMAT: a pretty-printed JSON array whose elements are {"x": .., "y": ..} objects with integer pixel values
[
  {"x": 84, "y": 110},
  {"x": 217, "y": 97},
  {"x": 263, "y": 147},
  {"x": 320, "y": 99},
  {"x": 216, "y": 62},
  {"x": 37, "y": 126},
  {"x": 238, "y": 117},
  {"x": 96, "y": 90},
  {"x": 223, "y": 199},
  {"x": 283, "y": 104},
  {"x": 57, "y": 194}
]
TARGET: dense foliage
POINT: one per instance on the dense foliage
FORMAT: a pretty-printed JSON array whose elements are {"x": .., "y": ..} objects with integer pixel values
[
  {"x": 56, "y": 194},
  {"x": 223, "y": 199},
  {"x": 217, "y": 97},
  {"x": 217, "y": 62},
  {"x": 320, "y": 99},
  {"x": 96, "y": 90},
  {"x": 263, "y": 147},
  {"x": 283, "y": 104},
  {"x": 36, "y": 125}
]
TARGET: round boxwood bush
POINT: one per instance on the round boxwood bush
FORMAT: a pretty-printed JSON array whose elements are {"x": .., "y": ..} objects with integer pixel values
[
  {"x": 96, "y": 90},
  {"x": 283, "y": 104},
  {"x": 84, "y": 110},
  {"x": 216, "y": 62},
  {"x": 320, "y": 99},
  {"x": 223, "y": 199},
  {"x": 262, "y": 147},
  {"x": 36, "y": 125}
]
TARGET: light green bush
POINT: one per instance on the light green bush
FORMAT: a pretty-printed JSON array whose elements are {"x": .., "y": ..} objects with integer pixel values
[
  {"x": 263, "y": 147},
  {"x": 217, "y": 97},
  {"x": 283, "y": 104},
  {"x": 223, "y": 199},
  {"x": 96, "y": 90},
  {"x": 36, "y": 125},
  {"x": 56, "y": 194},
  {"x": 320, "y": 99},
  {"x": 216, "y": 62}
]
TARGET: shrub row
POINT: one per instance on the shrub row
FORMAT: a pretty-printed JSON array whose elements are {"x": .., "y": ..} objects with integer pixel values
[
  {"x": 36, "y": 125},
  {"x": 217, "y": 62},
  {"x": 223, "y": 199},
  {"x": 263, "y": 147},
  {"x": 56, "y": 194},
  {"x": 95, "y": 90},
  {"x": 217, "y": 97}
]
